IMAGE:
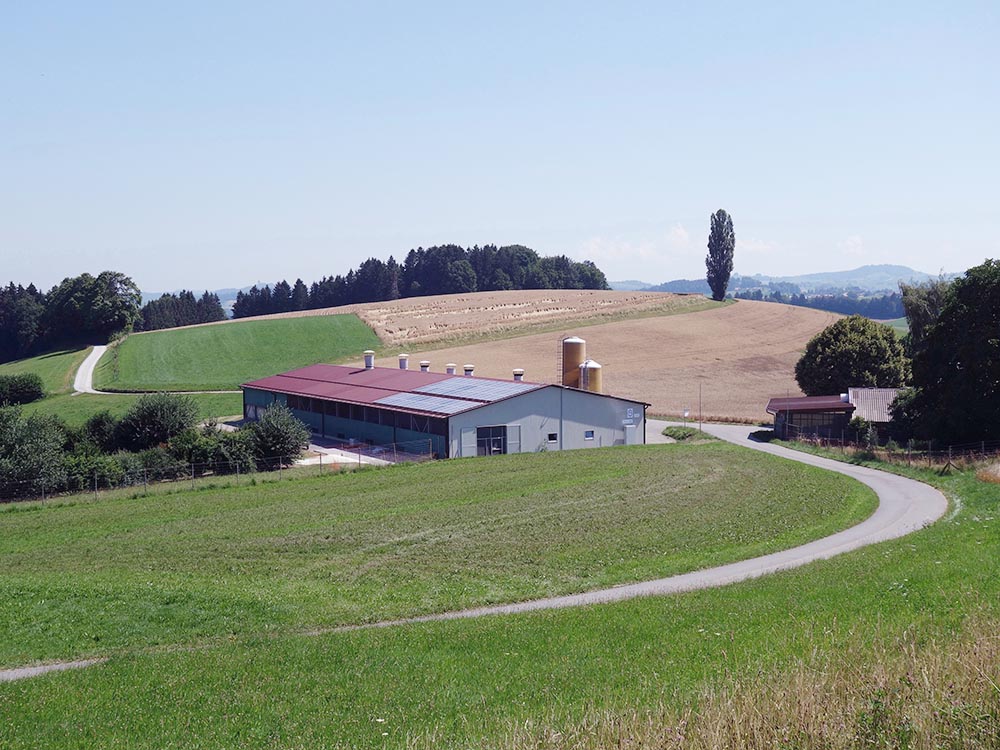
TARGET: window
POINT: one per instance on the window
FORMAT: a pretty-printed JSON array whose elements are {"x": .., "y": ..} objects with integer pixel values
[
  {"x": 588, "y": 435},
  {"x": 553, "y": 437}
]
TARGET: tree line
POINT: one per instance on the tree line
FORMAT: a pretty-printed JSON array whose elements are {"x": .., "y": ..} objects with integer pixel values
[
  {"x": 181, "y": 309},
  {"x": 82, "y": 308},
  {"x": 157, "y": 439},
  {"x": 443, "y": 269},
  {"x": 884, "y": 307}
]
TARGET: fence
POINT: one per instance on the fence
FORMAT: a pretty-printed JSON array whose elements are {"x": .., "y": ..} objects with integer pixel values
[
  {"x": 914, "y": 453},
  {"x": 111, "y": 476}
]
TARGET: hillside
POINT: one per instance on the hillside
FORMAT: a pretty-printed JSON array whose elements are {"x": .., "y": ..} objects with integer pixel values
[{"x": 742, "y": 354}]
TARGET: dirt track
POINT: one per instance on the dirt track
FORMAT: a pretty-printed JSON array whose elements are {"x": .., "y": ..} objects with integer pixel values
[{"x": 742, "y": 354}]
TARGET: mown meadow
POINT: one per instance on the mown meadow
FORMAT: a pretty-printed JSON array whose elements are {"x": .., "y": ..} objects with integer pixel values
[
  {"x": 758, "y": 664},
  {"x": 221, "y": 357}
]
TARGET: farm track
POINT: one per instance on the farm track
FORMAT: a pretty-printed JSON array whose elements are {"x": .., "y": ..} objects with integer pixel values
[{"x": 904, "y": 506}]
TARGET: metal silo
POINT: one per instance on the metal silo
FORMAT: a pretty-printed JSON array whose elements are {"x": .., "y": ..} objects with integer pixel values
[
  {"x": 574, "y": 352},
  {"x": 590, "y": 376}
]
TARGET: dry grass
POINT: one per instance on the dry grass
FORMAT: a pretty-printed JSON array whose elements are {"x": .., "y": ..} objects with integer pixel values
[
  {"x": 741, "y": 354},
  {"x": 989, "y": 473},
  {"x": 902, "y": 695},
  {"x": 458, "y": 317}
]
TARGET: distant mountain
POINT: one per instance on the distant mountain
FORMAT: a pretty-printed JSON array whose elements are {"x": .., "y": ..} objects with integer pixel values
[
  {"x": 629, "y": 285},
  {"x": 872, "y": 278}
]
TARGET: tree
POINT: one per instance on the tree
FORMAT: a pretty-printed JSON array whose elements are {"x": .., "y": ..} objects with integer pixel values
[
  {"x": 853, "y": 352},
  {"x": 957, "y": 369},
  {"x": 31, "y": 453},
  {"x": 719, "y": 261},
  {"x": 278, "y": 436},
  {"x": 155, "y": 418},
  {"x": 922, "y": 305}
]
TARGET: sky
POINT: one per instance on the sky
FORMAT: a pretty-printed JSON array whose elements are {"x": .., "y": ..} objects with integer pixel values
[{"x": 209, "y": 145}]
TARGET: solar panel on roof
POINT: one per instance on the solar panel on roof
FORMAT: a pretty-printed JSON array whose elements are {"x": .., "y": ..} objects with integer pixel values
[
  {"x": 476, "y": 389},
  {"x": 420, "y": 402}
]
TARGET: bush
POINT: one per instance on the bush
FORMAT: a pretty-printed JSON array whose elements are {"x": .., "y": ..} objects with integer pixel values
[
  {"x": 102, "y": 430},
  {"x": 31, "y": 458},
  {"x": 22, "y": 388},
  {"x": 278, "y": 437},
  {"x": 682, "y": 434},
  {"x": 235, "y": 453},
  {"x": 84, "y": 467},
  {"x": 155, "y": 418}
]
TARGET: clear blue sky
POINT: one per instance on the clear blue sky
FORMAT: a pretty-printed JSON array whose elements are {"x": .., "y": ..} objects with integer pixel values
[{"x": 194, "y": 144}]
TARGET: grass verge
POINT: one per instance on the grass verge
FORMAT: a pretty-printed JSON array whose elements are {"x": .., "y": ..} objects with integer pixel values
[
  {"x": 220, "y": 357},
  {"x": 56, "y": 369},
  {"x": 75, "y": 409}
]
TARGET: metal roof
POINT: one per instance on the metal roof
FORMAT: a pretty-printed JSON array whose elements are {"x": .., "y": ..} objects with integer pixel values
[
  {"x": 808, "y": 403},
  {"x": 873, "y": 403},
  {"x": 428, "y": 393}
]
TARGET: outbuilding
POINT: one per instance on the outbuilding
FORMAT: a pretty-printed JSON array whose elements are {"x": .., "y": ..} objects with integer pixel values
[{"x": 456, "y": 415}]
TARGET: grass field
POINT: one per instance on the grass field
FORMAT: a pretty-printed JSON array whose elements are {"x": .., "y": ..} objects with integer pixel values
[
  {"x": 634, "y": 673},
  {"x": 377, "y": 545},
  {"x": 899, "y": 325},
  {"x": 220, "y": 357},
  {"x": 56, "y": 369},
  {"x": 75, "y": 409}
]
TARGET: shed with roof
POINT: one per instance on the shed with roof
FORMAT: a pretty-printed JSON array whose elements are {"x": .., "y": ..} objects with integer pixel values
[{"x": 455, "y": 415}]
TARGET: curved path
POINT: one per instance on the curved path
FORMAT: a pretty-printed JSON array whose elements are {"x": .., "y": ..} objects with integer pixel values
[
  {"x": 904, "y": 506},
  {"x": 84, "y": 380}
]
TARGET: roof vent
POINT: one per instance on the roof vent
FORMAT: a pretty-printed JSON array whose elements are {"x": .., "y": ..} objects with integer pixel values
[
  {"x": 470, "y": 370},
  {"x": 518, "y": 374},
  {"x": 369, "y": 359},
  {"x": 403, "y": 361},
  {"x": 450, "y": 368},
  {"x": 425, "y": 366}
]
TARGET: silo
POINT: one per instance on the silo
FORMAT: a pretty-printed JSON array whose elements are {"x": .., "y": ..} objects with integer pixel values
[
  {"x": 574, "y": 352},
  {"x": 590, "y": 376}
]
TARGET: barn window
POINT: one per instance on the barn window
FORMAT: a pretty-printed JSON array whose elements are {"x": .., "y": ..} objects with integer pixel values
[
  {"x": 553, "y": 437},
  {"x": 588, "y": 435}
]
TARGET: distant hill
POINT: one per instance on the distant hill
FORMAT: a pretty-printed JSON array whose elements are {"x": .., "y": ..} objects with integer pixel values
[
  {"x": 871, "y": 278},
  {"x": 629, "y": 285}
]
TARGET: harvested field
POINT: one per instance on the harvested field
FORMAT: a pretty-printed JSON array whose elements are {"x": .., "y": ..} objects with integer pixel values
[
  {"x": 742, "y": 354},
  {"x": 458, "y": 317}
]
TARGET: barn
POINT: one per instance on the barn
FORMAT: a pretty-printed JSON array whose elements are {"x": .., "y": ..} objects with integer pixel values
[{"x": 457, "y": 415}]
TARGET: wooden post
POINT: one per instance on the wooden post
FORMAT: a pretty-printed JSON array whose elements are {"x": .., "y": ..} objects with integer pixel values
[{"x": 95, "y": 482}]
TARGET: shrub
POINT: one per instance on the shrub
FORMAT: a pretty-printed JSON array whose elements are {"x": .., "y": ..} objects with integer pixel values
[
  {"x": 85, "y": 467},
  {"x": 22, "y": 388},
  {"x": 102, "y": 430},
  {"x": 235, "y": 453},
  {"x": 278, "y": 436},
  {"x": 155, "y": 418},
  {"x": 31, "y": 459}
]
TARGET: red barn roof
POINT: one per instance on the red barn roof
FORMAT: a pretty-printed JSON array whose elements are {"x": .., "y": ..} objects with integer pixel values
[{"x": 428, "y": 393}]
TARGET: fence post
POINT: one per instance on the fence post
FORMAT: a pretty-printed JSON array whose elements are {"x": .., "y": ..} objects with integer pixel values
[
  {"x": 192, "y": 475},
  {"x": 321, "y": 464},
  {"x": 279, "y": 468},
  {"x": 95, "y": 482},
  {"x": 237, "y": 472},
  {"x": 145, "y": 480}
]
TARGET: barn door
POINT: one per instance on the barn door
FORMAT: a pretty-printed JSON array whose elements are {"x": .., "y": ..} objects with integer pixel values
[
  {"x": 468, "y": 441},
  {"x": 514, "y": 438}
]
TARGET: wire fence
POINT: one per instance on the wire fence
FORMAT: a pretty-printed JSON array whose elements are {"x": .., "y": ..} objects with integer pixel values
[
  {"x": 110, "y": 476},
  {"x": 929, "y": 453}
]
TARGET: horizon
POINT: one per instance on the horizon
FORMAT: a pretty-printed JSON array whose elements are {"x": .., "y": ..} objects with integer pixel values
[{"x": 197, "y": 147}]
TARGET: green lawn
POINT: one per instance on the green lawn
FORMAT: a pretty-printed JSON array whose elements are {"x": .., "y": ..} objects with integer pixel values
[
  {"x": 94, "y": 576},
  {"x": 540, "y": 676},
  {"x": 57, "y": 369},
  {"x": 220, "y": 357},
  {"x": 75, "y": 409},
  {"x": 899, "y": 325}
]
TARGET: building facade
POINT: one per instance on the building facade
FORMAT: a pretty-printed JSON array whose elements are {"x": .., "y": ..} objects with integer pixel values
[{"x": 457, "y": 415}]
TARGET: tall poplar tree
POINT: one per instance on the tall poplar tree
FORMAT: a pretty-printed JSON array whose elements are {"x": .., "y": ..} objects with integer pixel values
[{"x": 719, "y": 261}]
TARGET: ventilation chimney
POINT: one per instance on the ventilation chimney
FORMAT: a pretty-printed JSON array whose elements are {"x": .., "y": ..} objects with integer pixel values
[
  {"x": 369, "y": 359},
  {"x": 450, "y": 368},
  {"x": 590, "y": 376},
  {"x": 404, "y": 361},
  {"x": 518, "y": 374},
  {"x": 470, "y": 370},
  {"x": 574, "y": 352},
  {"x": 425, "y": 366}
]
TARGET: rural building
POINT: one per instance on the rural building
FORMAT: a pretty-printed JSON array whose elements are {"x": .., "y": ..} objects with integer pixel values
[
  {"x": 828, "y": 416},
  {"x": 458, "y": 415}
]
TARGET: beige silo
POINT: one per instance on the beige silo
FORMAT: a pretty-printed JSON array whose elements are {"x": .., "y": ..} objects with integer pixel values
[
  {"x": 590, "y": 376},
  {"x": 574, "y": 352}
]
